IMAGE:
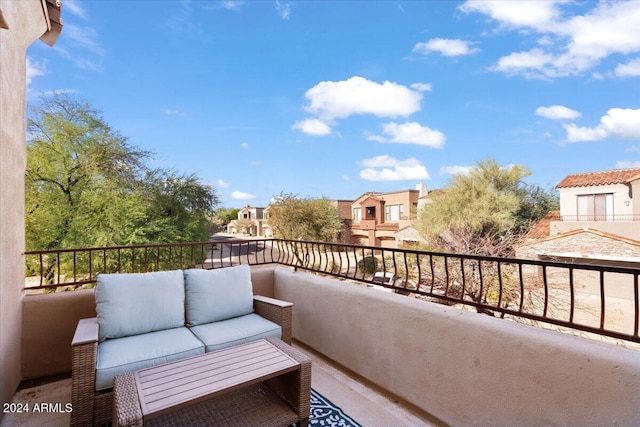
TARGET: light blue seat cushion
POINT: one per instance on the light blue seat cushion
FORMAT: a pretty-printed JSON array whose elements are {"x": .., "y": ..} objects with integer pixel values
[
  {"x": 137, "y": 303},
  {"x": 128, "y": 354},
  {"x": 218, "y": 294},
  {"x": 239, "y": 330}
]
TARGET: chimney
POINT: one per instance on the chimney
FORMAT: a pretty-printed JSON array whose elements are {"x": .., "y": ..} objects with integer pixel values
[{"x": 422, "y": 188}]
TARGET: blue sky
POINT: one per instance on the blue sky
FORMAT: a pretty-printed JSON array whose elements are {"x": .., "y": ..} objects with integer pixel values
[{"x": 327, "y": 98}]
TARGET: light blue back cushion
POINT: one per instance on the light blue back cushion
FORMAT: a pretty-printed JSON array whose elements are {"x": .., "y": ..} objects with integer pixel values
[
  {"x": 219, "y": 294},
  {"x": 137, "y": 303}
]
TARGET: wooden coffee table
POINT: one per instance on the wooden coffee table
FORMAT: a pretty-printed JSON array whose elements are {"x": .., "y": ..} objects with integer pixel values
[{"x": 265, "y": 382}]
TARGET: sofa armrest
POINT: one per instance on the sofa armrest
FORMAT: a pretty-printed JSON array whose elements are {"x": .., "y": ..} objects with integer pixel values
[
  {"x": 277, "y": 311},
  {"x": 84, "y": 351},
  {"x": 86, "y": 332}
]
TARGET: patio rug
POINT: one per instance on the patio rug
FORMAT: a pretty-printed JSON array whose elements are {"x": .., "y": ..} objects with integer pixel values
[{"x": 325, "y": 413}]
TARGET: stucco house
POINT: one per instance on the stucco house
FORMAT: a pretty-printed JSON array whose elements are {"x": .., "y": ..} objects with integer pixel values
[
  {"x": 250, "y": 221},
  {"x": 377, "y": 217},
  {"x": 599, "y": 219}
]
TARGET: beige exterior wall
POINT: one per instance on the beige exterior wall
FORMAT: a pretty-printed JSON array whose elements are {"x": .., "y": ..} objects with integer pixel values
[
  {"x": 621, "y": 202},
  {"x": 463, "y": 368},
  {"x": 628, "y": 229},
  {"x": 378, "y": 231},
  {"x": 26, "y": 21},
  {"x": 622, "y": 205}
]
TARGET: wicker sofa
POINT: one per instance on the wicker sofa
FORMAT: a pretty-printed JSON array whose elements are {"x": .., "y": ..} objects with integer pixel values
[{"x": 146, "y": 319}]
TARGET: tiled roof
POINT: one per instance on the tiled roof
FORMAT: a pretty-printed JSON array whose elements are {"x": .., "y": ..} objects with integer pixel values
[
  {"x": 541, "y": 229},
  {"x": 617, "y": 176}
]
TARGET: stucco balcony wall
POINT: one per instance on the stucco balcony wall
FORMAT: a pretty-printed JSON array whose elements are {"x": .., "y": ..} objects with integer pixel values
[
  {"x": 627, "y": 229},
  {"x": 461, "y": 367}
]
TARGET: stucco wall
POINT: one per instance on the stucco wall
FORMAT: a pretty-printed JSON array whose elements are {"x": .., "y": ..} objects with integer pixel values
[
  {"x": 569, "y": 204},
  {"x": 461, "y": 367},
  {"x": 26, "y": 22}
]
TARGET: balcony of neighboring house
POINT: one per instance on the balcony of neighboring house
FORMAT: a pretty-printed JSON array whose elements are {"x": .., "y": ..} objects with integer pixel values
[
  {"x": 510, "y": 341},
  {"x": 623, "y": 225},
  {"x": 600, "y": 200}
]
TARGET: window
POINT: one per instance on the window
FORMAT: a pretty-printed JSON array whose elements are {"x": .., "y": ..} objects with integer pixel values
[
  {"x": 357, "y": 214},
  {"x": 371, "y": 212},
  {"x": 595, "y": 207},
  {"x": 265, "y": 215},
  {"x": 393, "y": 212}
]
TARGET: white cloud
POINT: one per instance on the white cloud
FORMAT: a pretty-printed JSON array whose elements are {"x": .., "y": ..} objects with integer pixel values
[
  {"x": 626, "y": 164},
  {"x": 446, "y": 47},
  {"x": 557, "y": 112},
  {"x": 283, "y": 9},
  {"x": 74, "y": 7},
  {"x": 232, "y": 4},
  {"x": 422, "y": 87},
  {"x": 630, "y": 69},
  {"x": 386, "y": 168},
  {"x": 572, "y": 44},
  {"x": 34, "y": 69},
  {"x": 633, "y": 149},
  {"x": 173, "y": 112},
  {"x": 222, "y": 183},
  {"x": 455, "y": 170},
  {"x": 410, "y": 133},
  {"x": 83, "y": 37},
  {"x": 245, "y": 145},
  {"x": 532, "y": 63},
  {"x": 239, "y": 195},
  {"x": 312, "y": 127},
  {"x": 510, "y": 14},
  {"x": 330, "y": 100},
  {"x": 618, "y": 122}
]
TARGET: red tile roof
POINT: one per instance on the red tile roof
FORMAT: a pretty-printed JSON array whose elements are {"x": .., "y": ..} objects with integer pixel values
[
  {"x": 542, "y": 228},
  {"x": 617, "y": 176}
]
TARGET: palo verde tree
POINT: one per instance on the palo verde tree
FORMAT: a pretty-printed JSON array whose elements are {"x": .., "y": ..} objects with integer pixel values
[
  {"x": 483, "y": 213},
  {"x": 86, "y": 185},
  {"x": 295, "y": 218}
]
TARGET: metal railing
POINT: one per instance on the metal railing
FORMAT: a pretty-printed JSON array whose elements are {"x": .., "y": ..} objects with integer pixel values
[
  {"x": 610, "y": 218},
  {"x": 592, "y": 298}
]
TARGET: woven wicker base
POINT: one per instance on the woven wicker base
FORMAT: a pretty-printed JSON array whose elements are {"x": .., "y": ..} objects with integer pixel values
[{"x": 256, "y": 405}]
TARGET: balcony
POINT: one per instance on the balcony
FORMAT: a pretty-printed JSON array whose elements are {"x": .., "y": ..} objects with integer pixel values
[
  {"x": 444, "y": 363},
  {"x": 621, "y": 225}
]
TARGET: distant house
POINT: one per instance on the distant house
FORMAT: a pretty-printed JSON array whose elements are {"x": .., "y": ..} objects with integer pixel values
[
  {"x": 377, "y": 217},
  {"x": 250, "y": 222},
  {"x": 599, "y": 219},
  {"x": 601, "y": 200}
]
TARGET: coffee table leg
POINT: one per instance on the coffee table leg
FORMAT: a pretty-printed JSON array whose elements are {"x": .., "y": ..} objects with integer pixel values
[
  {"x": 126, "y": 405},
  {"x": 294, "y": 387}
]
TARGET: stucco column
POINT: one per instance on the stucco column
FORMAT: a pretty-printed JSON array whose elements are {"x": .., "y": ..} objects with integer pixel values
[{"x": 26, "y": 21}]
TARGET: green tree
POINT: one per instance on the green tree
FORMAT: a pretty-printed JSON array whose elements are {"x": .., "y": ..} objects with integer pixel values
[
  {"x": 295, "y": 218},
  {"x": 483, "y": 213},
  {"x": 221, "y": 217},
  {"x": 86, "y": 185},
  {"x": 179, "y": 209},
  {"x": 80, "y": 175}
]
